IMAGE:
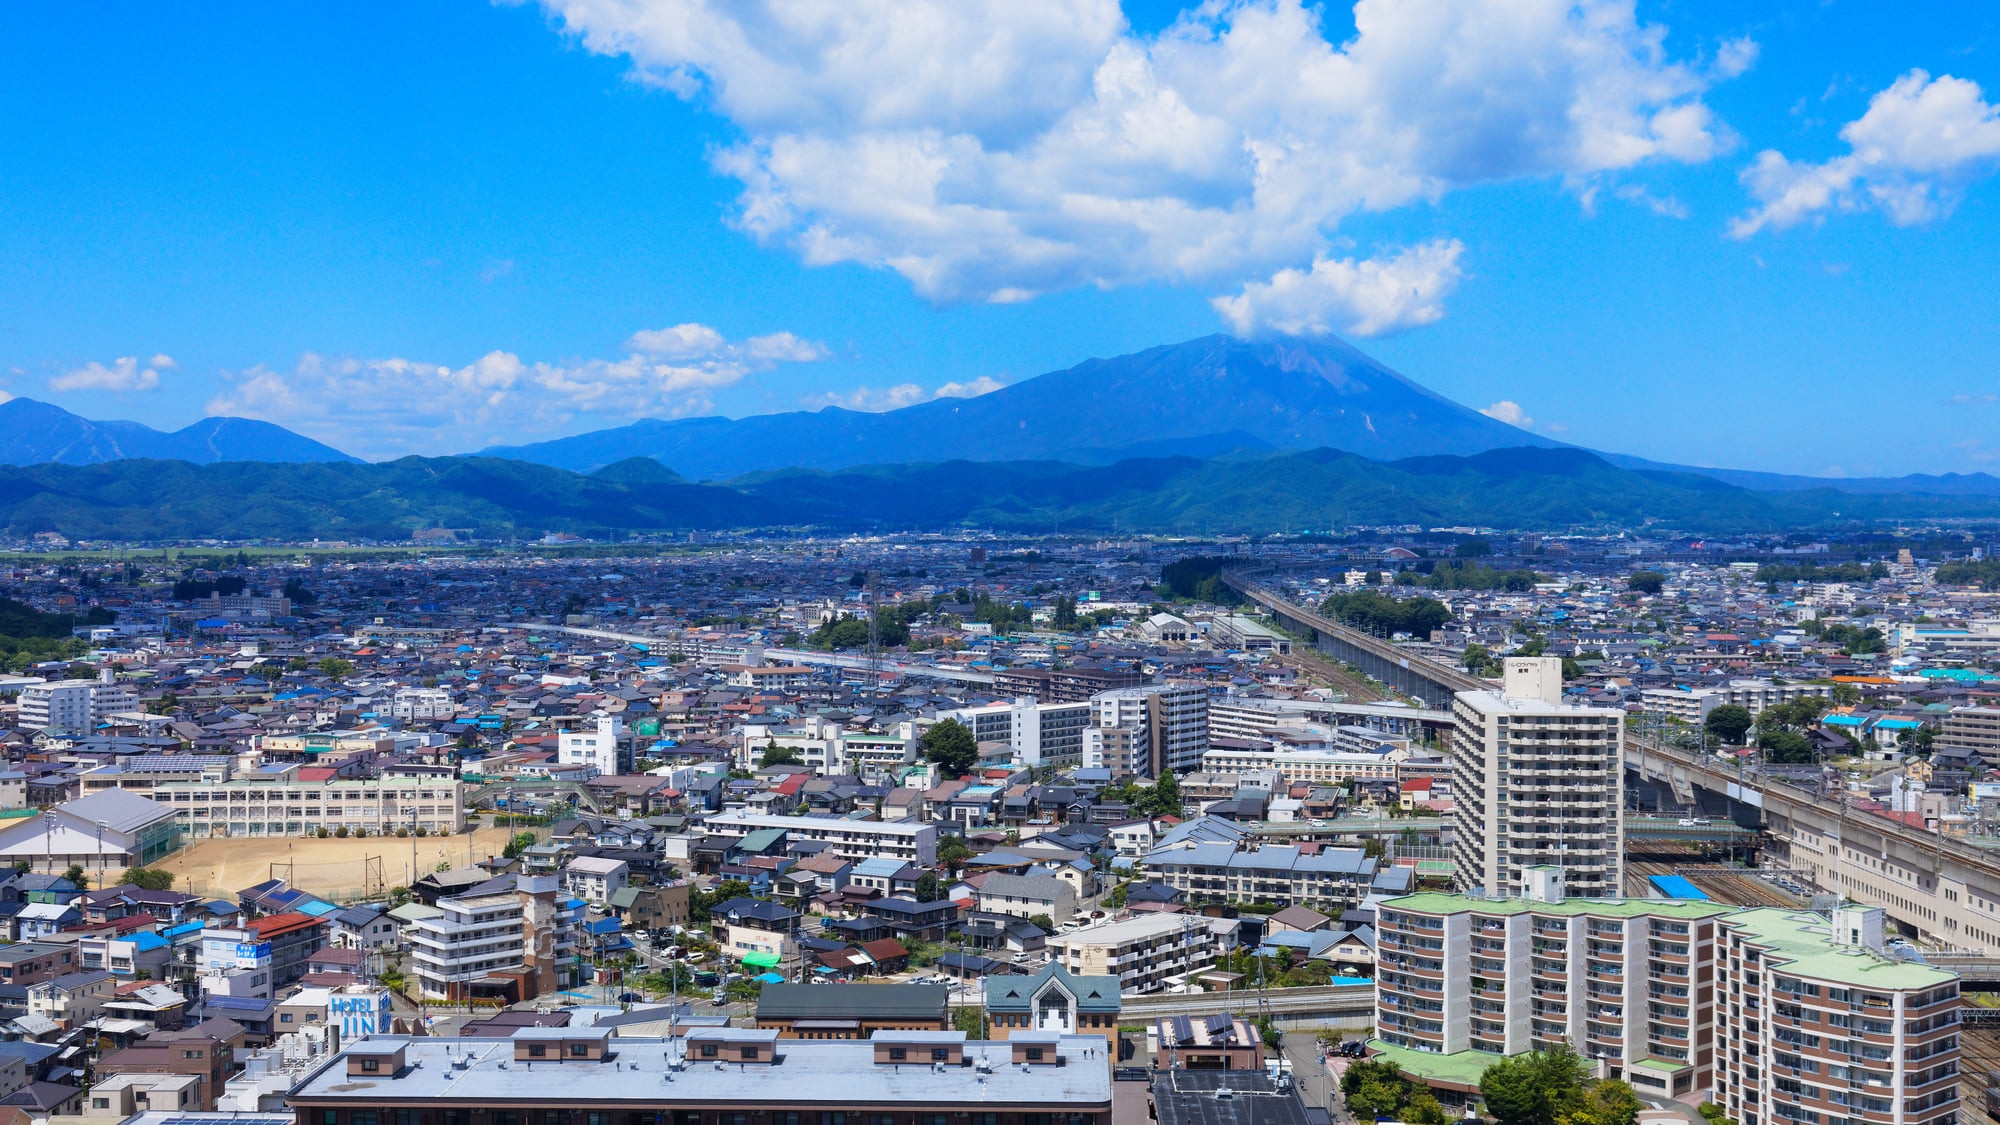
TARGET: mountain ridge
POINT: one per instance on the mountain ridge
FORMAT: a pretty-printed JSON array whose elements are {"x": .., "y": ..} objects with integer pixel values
[{"x": 33, "y": 432}]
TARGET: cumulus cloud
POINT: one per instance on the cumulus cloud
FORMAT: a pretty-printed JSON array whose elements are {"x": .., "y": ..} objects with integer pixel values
[
  {"x": 388, "y": 407},
  {"x": 1510, "y": 412},
  {"x": 1374, "y": 297},
  {"x": 903, "y": 394},
  {"x": 126, "y": 373},
  {"x": 992, "y": 150},
  {"x": 1909, "y": 156}
]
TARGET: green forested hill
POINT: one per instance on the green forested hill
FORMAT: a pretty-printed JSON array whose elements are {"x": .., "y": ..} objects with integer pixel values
[{"x": 1543, "y": 489}]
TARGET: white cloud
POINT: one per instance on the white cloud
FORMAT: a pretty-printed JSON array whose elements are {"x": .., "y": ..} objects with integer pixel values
[
  {"x": 971, "y": 388},
  {"x": 389, "y": 407},
  {"x": 126, "y": 373},
  {"x": 1667, "y": 206},
  {"x": 1510, "y": 412},
  {"x": 1373, "y": 297},
  {"x": 903, "y": 394},
  {"x": 6, "y": 396},
  {"x": 1909, "y": 156},
  {"x": 991, "y": 150}
]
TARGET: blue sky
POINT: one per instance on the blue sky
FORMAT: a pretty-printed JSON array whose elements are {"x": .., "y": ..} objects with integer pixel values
[{"x": 429, "y": 228}]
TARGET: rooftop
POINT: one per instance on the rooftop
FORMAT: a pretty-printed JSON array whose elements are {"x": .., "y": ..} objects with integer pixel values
[
  {"x": 1441, "y": 903},
  {"x": 484, "y": 1072}
]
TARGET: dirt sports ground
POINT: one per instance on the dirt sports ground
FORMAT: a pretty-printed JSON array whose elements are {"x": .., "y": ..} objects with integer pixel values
[{"x": 347, "y": 870}]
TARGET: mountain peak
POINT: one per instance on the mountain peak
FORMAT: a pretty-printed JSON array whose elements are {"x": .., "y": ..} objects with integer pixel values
[{"x": 1196, "y": 397}]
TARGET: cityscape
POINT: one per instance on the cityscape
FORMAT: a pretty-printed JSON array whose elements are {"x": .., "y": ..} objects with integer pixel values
[{"x": 933, "y": 562}]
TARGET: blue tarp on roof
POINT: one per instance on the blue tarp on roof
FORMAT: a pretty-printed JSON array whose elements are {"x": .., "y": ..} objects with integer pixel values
[{"x": 316, "y": 909}]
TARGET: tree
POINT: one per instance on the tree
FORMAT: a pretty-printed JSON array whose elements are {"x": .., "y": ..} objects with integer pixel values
[
  {"x": 1610, "y": 1102},
  {"x": 517, "y": 843},
  {"x": 148, "y": 879},
  {"x": 776, "y": 755},
  {"x": 952, "y": 747},
  {"x": 952, "y": 852},
  {"x": 1165, "y": 797},
  {"x": 929, "y": 887},
  {"x": 970, "y": 1020},
  {"x": 75, "y": 875},
  {"x": 1474, "y": 548},
  {"x": 1046, "y": 924},
  {"x": 1646, "y": 581},
  {"x": 334, "y": 668},
  {"x": 1064, "y": 615},
  {"x": 1727, "y": 724},
  {"x": 1538, "y": 1088}
]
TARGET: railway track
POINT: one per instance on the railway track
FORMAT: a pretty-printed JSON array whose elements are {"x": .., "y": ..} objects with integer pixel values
[
  {"x": 1980, "y": 1057},
  {"x": 1731, "y": 890}
]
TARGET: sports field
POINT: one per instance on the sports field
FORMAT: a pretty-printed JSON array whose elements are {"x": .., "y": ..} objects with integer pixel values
[{"x": 342, "y": 870}]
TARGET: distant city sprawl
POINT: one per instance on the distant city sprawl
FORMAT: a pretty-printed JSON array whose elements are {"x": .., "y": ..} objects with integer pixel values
[{"x": 1158, "y": 804}]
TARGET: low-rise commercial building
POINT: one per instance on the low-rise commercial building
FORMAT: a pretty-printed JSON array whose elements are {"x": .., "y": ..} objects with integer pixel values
[
  {"x": 857, "y": 1011},
  {"x": 729, "y": 1075}
]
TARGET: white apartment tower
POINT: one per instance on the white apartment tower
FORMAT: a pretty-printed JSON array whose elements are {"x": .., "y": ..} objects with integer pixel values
[
  {"x": 74, "y": 705},
  {"x": 597, "y": 748},
  {"x": 1537, "y": 781}
]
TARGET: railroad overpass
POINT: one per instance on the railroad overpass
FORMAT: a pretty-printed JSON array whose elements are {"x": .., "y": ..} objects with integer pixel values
[
  {"x": 1417, "y": 677},
  {"x": 1943, "y": 889},
  {"x": 889, "y": 667}
]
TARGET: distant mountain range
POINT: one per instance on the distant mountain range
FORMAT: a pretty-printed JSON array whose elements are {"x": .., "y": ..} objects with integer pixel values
[
  {"x": 36, "y": 433},
  {"x": 1217, "y": 398},
  {"x": 1524, "y": 487}
]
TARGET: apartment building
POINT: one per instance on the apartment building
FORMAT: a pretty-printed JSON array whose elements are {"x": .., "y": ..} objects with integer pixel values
[
  {"x": 1141, "y": 951},
  {"x": 1125, "y": 751},
  {"x": 596, "y": 748},
  {"x": 74, "y": 705},
  {"x": 1207, "y": 871},
  {"x": 1781, "y": 1016},
  {"x": 418, "y": 705},
  {"x": 1622, "y": 981},
  {"x": 1025, "y": 896},
  {"x": 1037, "y": 733},
  {"x": 849, "y": 839},
  {"x": 826, "y": 748},
  {"x": 1536, "y": 781},
  {"x": 513, "y": 939},
  {"x": 769, "y": 677},
  {"x": 1172, "y": 717},
  {"x": 1975, "y": 728},
  {"x": 1301, "y": 767},
  {"x": 1692, "y": 705},
  {"x": 1064, "y": 685},
  {"x": 1816, "y": 1024},
  {"x": 711, "y": 1076},
  {"x": 292, "y": 801}
]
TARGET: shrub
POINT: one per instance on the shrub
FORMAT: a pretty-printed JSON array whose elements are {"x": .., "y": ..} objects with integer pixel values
[
  {"x": 360, "y": 832},
  {"x": 402, "y": 833},
  {"x": 322, "y": 833},
  {"x": 341, "y": 832}
]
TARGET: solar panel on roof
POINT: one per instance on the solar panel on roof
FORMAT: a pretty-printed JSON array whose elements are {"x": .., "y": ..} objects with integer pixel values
[{"x": 1219, "y": 1027}]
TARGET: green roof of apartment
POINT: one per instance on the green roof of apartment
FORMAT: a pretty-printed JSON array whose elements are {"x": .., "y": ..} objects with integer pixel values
[
  {"x": 1661, "y": 1065},
  {"x": 1462, "y": 1068},
  {"x": 1437, "y": 902},
  {"x": 1802, "y": 942}
]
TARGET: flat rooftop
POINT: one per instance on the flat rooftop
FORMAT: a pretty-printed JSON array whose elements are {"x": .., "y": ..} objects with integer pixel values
[{"x": 637, "y": 1070}]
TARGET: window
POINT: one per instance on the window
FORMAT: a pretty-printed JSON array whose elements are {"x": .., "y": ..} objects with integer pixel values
[
  {"x": 708, "y": 1050},
  {"x": 898, "y": 1054},
  {"x": 361, "y": 1117},
  {"x": 749, "y": 1052},
  {"x": 100, "y": 1103},
  {"x": 1034, "y": 1054},
  {"x": 940, "y": 1054},
  {"x": 537, "y": 1050},
  {"x": 370, "y": 1066}
]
